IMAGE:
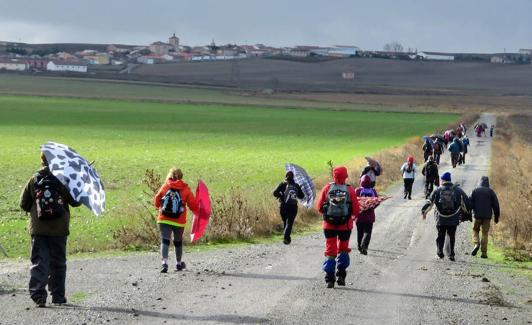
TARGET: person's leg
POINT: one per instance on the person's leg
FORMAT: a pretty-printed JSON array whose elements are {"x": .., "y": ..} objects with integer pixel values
[
  {"x": 166, "y": 234},
  {"x": 475, "y": 236},
  {"x": 331, "y": 251},
  {"x": 410, "y": 185},
  {"x": 427, "y": 182},
  {"x": 343, "y": 256},
  {"x": 405, "y": 182},
  {"x": 58, "y": 267},
  {"x": 178, "y": 245},
  {"x": 39, "y": 271},
  {"x": 368, "y": 228},
  {"x": 290, "y": 218},
  {"x": 440, "y": 241},
  {"x": 360, "y": 234},
  {"x": 484, "y": 241},
  {"x": 451, "y": 231}
]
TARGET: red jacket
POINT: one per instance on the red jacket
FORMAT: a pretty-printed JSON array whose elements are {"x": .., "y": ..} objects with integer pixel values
[
  {"x": 186, "y": 196},
  {"x": 339, "y": 175}
]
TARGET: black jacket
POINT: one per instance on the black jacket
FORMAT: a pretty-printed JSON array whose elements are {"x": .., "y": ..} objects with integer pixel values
[
  {"x": 279, "y": 192},
  {"x": 462, "y": 200},
  {"x": 484, "y": 201},
  {"x": 430, "y": 171}
]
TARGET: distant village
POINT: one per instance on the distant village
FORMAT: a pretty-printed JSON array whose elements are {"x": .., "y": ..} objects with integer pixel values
[{"x": 22, "y": 57}]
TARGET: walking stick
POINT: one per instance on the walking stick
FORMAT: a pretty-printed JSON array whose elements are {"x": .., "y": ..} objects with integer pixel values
[{"x": 3, "y": 250}]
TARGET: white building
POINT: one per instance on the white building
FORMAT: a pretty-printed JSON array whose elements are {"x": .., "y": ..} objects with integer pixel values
[
  {"x": 66, "y": 66},
  {"x": 12, "y": 65},
  {"x": 435, "y": 56},
  {"x": 525, "y": 52}
]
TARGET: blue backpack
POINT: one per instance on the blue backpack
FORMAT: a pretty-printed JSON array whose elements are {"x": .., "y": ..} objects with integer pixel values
[
  {"x": 367, "y": 192},
  {"x": 172, "y": 205}
]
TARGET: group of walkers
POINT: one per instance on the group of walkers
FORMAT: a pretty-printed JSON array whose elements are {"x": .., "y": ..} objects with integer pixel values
[{"x": 48, "y": 200}]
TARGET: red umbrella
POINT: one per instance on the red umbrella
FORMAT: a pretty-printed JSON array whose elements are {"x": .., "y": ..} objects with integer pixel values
[{"x": 203, "y": 214}]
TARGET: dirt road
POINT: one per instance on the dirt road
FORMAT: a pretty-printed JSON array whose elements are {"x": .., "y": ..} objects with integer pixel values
[{"x": 399, "y": 282}]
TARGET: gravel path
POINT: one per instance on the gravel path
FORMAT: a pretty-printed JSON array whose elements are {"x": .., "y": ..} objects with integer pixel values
[{"x": 399, "y": 282}]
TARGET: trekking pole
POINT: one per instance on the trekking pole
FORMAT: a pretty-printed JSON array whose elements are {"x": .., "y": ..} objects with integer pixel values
[{"x": 3, "y": 250}]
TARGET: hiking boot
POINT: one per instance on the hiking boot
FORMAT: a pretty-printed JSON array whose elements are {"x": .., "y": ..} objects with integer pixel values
[
  {"x": 451, "y": 258},
  {"x": 330, "y": 284},
  {"x": 164, "y": 268},
  {"x": 59, "y": 300},
  {"x": 287, "y": 241},
  {"x": 341, "y": 281},
  {"x": 364, "y": 251},
  {"x": 40, "y": 302},
  {"x": 180, "y": 266},
  {"x": 440, "y": 255},
  {"x": 475, "y": 250},
  {"x": 410, "y": 197},
  {"x": 484, "y": 256}
]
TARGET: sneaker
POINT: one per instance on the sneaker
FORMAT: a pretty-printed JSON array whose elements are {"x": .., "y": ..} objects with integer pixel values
[
  {"x": 164, "y": 268},
  {"x": 330, "y": 284},
  {"x": 440, "y": 256},
  {"x": 483, "y": 256},
  {"x": 287, "y": 241},
  {"x": 341, "y": 281},
  {"x": 59, "y": 300},
  {"x": 409, "y": 197},
  {"x": 180, "y": 266},
  {"x": 40, "y": 302},
  {"x": 451, "y": 258},
  {"x": 475, "y": 250},
  {"x": 364, "y": 251}
]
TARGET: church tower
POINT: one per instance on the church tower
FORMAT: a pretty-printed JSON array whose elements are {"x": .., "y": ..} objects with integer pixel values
[{"x": 174, "y": 41}]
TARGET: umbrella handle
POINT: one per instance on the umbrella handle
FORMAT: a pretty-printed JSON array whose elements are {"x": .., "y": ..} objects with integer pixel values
[{"x": 92, "y": 162}]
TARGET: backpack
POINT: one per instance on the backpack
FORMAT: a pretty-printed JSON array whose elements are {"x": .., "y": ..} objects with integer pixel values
[
  {"x": 366, "y": 192},
  {"x": 290, "y": 194},
  {"x": 338, "y": 205},
  {"x": 447, "y": 203},
  {"x": 50, "y": 203},
  {"x": 432, "y": 171},
  {"x": 172, "y": 205}
]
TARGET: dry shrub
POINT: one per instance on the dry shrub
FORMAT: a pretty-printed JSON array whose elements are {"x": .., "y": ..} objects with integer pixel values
[
  {"x": 140, "y": 230},
  {"x": 511, "y": 176}
]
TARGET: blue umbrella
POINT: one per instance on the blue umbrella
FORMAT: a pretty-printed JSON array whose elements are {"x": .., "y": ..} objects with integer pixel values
[{"x": 303, "y": 179}]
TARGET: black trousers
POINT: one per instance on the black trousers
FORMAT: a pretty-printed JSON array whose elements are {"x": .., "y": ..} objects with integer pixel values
[
  {"x": 409, "y": 182},
  {"x": 454, "y": 159},
  {"x": 429, "y": 186},
  {"x": 440, "y": 240},
  {"x": 48, "y": 266},
  {"x": 364, "y": 230},
  {"x": 288, "y": 215}
]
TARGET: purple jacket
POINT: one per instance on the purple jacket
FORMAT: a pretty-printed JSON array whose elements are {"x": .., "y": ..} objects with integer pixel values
[{"x": 367, "y": 216}]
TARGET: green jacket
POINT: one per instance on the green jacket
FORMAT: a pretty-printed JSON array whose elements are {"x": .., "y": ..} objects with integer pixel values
[{"x": 37, "y": 227}]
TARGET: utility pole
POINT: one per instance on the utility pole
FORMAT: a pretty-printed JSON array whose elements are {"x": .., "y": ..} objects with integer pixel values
[{"x": 235, "y": 73}]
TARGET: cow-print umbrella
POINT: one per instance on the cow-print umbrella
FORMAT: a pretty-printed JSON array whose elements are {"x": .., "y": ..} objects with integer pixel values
[{"x": 77, "y": 174}]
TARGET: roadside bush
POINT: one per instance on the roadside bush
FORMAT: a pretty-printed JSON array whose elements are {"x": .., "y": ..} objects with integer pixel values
[{"x": 511, "y": 178}]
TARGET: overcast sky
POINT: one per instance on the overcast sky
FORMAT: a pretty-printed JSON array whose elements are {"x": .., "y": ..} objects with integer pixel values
[{"x": 440, "y": 25}]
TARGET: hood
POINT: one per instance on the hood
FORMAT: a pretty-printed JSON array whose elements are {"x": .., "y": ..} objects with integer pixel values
[
  {"x": 410, "y": 159},
  {"x": 340, "y": 175},
  {"x": 456, "y": 140},
  {"x": 365, "y": 181},
  {"x": 176, "y": 184},
  {"x": 485, "y": 181},
  {"x": 289, "y": 177}
]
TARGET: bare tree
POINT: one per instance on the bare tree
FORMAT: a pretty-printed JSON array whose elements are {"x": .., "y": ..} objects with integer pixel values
[{"x": 394, "y": 47}]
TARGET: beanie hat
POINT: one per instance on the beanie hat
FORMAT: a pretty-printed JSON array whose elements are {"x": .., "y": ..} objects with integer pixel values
[
  {"x": 410, "y": 159},
  {"x": 446, "y": 177},
  {"x": 289, "y": 175}
]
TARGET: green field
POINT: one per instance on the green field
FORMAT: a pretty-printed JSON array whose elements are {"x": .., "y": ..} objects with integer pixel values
[{"x": 226, "y": 146}]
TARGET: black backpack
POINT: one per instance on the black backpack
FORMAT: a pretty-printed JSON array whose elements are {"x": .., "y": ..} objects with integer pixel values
[
  {"x": 338, "y": 205},
  {"x": 431, "y": 171},
  {"x": 171, "y": 204},
  {"x": 448, "y": 203},
  {"x": 50, "y": 202},
  {"x": 290, "y": 194}
]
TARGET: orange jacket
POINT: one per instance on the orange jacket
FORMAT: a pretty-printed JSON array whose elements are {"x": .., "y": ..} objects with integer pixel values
[{"x": 186, "y": 196}]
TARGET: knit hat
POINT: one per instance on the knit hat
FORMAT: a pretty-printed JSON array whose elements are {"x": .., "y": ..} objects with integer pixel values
[
  {"x": 289, "y": 175},
  {"x": 410, "y": 159},
  {"x": 446, "y": 177}
]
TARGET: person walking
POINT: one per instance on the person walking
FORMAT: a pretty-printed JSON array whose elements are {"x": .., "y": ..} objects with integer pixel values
[
  {"x": 430, "y": 171},
  {"x": 427, "y": 149},
  {"x": 287, "y": 193},
  {"x": 438, "y": 150},
  {"x": 47, "y": 201},
  {"x": 338, "y": 203},
  {"x": 492, "y": 128},
  {"x": 409, "y": 173},
  {"x": 465, "y": 146},
  {"x": 365, "y": 219},
  {"x": 171, "y": 201},
  {"x": 485, "y": 204},
  {"x": 450, "y": 201},
  {"x": 455, "y": 149},
  {"x": 372, "y": 173}
]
